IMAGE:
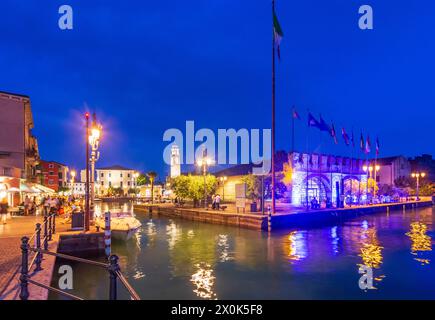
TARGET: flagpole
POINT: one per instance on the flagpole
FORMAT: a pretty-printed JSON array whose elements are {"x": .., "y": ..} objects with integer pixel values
[
  {"x": 273, "y": 110},
  {"x": 293, "y": 130}
]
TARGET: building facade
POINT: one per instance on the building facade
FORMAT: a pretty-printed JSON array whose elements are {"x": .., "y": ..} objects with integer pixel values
[
  {"x": 18, "y": 146},
  {"x": 391, "y": 169},
  {"x": 19, "y": 155},
  {"x": 114, "y": 177},
  {"x": 77, "y": 189},
  {"x": 54, "y": 175}
]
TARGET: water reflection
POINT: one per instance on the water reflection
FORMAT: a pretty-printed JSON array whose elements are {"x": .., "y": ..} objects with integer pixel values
[
  {"x": 421, "y": 242},
  {"x": 203, "y": 281},
  {"x": 223, "y": 248},
  {"x": 296, "y": 245},
  {"x": 371, "y": 250},
  {"x": 334, "y": 240},
  {"x": 186, "y": 259},
  {"x": 174, "y": 234}
]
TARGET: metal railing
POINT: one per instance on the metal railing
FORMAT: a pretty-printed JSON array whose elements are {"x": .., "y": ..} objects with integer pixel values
[{"x": 41, "y": 248}]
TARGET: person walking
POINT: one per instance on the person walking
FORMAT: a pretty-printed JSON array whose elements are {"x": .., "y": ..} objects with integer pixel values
[{"x": 4, "y": 209}]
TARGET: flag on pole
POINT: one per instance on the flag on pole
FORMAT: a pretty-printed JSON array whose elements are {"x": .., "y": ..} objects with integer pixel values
[
  {"x": 361, "y": 143},
  {"x": 313, "y": 122},
  {"x": 377, "y": 146},
  {"x": 277, "y": 34},
  {"x": 311, "y": 159},
  {"x": 323, "y": 125},
  {"x": 345, "y": 136},
  {"x": 333, "y": 133},
  {"x": 296, "y": 114},
  {"x": 368, "y": 145}
]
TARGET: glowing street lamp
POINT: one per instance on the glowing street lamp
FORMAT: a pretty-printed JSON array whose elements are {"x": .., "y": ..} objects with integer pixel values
[
  {"x": 417, "y": 176},
  {"x": 94, "y": 142},
  {"x": 204, "y": 162},
  {"x": 371, "y": 171}
]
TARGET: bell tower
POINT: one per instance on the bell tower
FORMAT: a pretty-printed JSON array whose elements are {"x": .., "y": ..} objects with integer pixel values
[{"x": 175, "y": 161}]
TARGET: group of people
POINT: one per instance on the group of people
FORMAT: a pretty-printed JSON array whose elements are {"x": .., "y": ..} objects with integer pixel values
[{"x": 216, "y": 201}]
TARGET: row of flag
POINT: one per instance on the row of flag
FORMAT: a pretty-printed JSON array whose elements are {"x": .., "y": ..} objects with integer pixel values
[{"x": 365, "y": 145}]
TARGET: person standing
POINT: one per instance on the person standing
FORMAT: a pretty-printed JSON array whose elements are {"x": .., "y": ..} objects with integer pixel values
[
  {"x": 217, "y": 200},
  {"x": 4, "y": 209}
]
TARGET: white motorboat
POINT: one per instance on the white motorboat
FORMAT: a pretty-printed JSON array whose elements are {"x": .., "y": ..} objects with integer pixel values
[{"x": 123, "y": 225}]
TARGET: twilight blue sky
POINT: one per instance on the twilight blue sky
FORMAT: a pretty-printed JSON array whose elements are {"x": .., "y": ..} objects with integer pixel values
[{"x": 146, "y": 66}]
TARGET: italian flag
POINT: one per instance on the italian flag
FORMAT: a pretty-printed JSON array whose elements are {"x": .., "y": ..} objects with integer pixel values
[{"x": 277, "y": 34}]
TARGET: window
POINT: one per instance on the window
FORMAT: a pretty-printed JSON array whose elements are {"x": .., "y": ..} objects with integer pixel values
[
  {"x": 102, "y": 174},
  {"x": 128, "y": 183},
  {"x": 110, "y": 175},
  {"x": 121, "y": 184},
  {"x": 120, "y": 175},
  {"x": 60, "y": 175},
  {"x": 50, "y": 182},
  {"x": 110, "y": 183},
  {"x": 51, "y": 166},
  {"x": 51, "y": 173},
  {"x": 128, "y": 175},
  {"x": 102, "y": 183}
]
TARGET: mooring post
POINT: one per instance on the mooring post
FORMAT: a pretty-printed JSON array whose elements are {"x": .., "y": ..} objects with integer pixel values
[
  {"x": 38, "y": 247},
  {"x": 24, "y": 292},
  {"x": 107, "y": 234},
  {"x": 269, "y": 219},
  {"x": 113, "y": 268},
  {"x": 45, "y": 232}
]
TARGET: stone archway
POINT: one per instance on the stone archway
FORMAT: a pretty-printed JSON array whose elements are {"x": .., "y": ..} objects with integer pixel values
[{"x": 319, "y": 186}]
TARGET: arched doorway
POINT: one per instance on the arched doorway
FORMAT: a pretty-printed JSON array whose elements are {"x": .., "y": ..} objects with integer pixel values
[
  {"x": 351, "y": 188},
  {"x": 316, "y": 185}
]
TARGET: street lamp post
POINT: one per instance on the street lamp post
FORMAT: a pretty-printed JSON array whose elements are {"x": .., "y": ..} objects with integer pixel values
[
  {"x": 87, "y": 220},
  {"x": 371, "y": 171},
  {"x": 417, "y": 176},
  {"x": 223, "y": 179},
  {"x": 94, "y": 141},
  {"x": 204, "y": 162}
]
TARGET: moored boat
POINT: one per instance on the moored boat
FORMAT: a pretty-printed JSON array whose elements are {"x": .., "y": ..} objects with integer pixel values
[{"x": 123, "y": 225}]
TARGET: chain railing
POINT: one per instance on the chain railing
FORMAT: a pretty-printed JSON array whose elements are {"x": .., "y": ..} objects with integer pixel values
[{"x": 40, "y": 248}]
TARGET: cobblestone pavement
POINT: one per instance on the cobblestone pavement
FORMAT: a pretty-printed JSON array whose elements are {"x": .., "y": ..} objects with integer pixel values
[{"x": 10, "y": 240}]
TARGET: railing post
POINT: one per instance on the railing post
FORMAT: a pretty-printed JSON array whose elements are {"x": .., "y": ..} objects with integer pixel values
[
  {"x": 38, "y": 247},
  {"x": 113, "y": 268},
  {"x": 45, "y": 233},
  {"x": 54, "y": 223},
  {"x": 50, "y": 216},
  {"x": 24, "y": 293}
]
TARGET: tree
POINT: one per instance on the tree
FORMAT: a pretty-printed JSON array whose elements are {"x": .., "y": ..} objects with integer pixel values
[
  {"x": 152, "y": 176},
  {"x": 253, "y": 186},
  {"x": 192, "y": 187},
  {"x": 142, "y": 180}
]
